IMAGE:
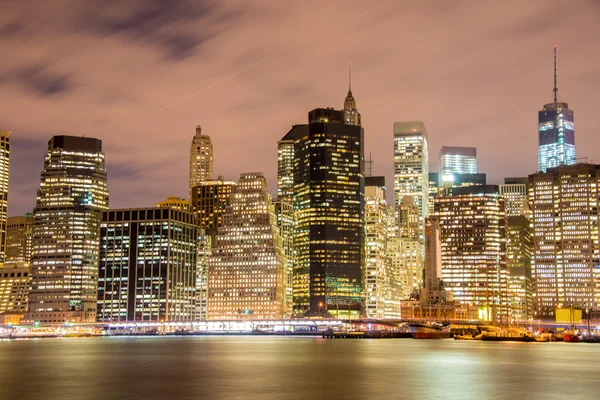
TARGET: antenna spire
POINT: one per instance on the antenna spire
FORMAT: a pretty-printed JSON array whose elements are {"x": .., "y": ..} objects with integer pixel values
[
  {"x": 555, "y": 88},
  {"x": 349, "y": 77}
]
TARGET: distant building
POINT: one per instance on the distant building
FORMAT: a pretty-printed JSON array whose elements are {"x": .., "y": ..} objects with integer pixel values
[
  {"x": 564, "y": 217},
  {"x": 457, "y": 160},
  {"x": 328, "y": 204},
  {"x": 406, "y": 261},
  {"x": 15, "y": 282},
  {"x": 247, "y": 267},
  {"x": 285, "y": 163},
  {"x": 433, "y": 291},
  {"x": 473, "y": 243},
  {"x": 175, "y": 202},
  {"x": 148, "y": 261},
  {"x": 556, "y": 129},
  {"x": 411, "y": 165},
  {"x": 66, "y": 227},
  {"x": 408, "y": 219},
  {"x": 204, "y": 252},
  {"x": 4, "y": 173},
  {"x": 518, "y": 261},
  {"x": 201, "y": 158},
  {"x": 284, "y": 212},
  {"x": 351, "y": 114},
  {"x": 514, "y": 192},
  {"x": 209, "y": 202},
  {"x": 19, "y": 232}
]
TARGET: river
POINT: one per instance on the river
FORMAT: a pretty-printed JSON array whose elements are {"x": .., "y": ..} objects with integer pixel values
[{"x": 264, "y": 367}]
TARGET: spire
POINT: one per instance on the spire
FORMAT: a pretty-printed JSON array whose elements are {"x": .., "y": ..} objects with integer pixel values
[
  {"x": 555, "y": 88},
  {"x": 350, "y": 79}
]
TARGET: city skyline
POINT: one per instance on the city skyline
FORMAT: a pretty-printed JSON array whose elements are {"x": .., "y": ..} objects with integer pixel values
[{"x": 80, "y": 94}]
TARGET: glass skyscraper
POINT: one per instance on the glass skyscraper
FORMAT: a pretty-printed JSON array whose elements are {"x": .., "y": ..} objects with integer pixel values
[
  {"x": 556, "y": 128},
  {"x": 455, "y": 161},
  {"x": 4, "y": 172}
]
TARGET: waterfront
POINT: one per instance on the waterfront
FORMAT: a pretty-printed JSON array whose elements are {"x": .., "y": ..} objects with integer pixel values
[{"x": 244, "y": 367}]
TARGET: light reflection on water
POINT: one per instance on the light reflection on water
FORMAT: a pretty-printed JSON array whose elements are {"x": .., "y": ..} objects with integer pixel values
[{"x": 246, "y": 367}]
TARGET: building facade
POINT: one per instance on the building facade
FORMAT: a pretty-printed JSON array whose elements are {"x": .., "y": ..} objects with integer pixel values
[
  {"x": 147, "y": 268},
  {"x": 4, "y": 173},
  {"x": 175, "y": 202},
  {"x": 329, "y": 209},
  {"x": 15, "y": 282},
  {"x": 564, "y": 216},
  {"x": 518, "y": 261},
  {"x": 19, "y": 231},
  {"x": 457, "y": 160},
  {"x": 514, "y": 193},
  {"x": 201, "y": 158},
  {"x": 66, "y": 227},
  {"x": 209, "y": 202},
  {"x": 411, "y": 165},
  {"x": 473, "y": 247},
  {"x": 247, "y": 267}
]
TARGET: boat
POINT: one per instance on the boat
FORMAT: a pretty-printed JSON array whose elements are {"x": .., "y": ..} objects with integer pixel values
[
  {"x": 429, "y": 331},
  {"x": 572, "y": 336}
]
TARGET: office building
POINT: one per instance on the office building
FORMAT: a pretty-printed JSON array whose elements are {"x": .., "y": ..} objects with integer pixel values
[
  {"x": 15, "y": 281},
  {"x": 376, "y": 274},
  {"x": 518, "y": 261},
  {"x": 514, "y": 192},
  {"x": 556, "y": 129},
  {"x": 473, "y": 247},
  {"x": 284, "y": 213},
  {"x": 201, "y": 158},
  {"x": 66, "y": 227},
  {"x": 329, "y": 210},
  {"x": 457, "y": 160},
  {"x": 351, "y": 114},
  {"x": 175, "y": 202},
  {"x": 285, "y": 163},
  {"x": 411, "y": 165},
  {"x": 247, "y": 267},
  {"x": 408, "y": 219},
  {"x": 209, "y": 202},
  {"x": 4, "y": 173},
  {"x": 406, "y": 265},
  {"x": 147, "y": 266},
  {"x": 563, "y": 203},
  {"x": 203, "y": 257},
  {"x": 19, "y": 231}
]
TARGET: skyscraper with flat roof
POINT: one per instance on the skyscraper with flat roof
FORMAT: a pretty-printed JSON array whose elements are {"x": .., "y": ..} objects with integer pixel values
[
  {"x": 66, "y": 231},
  {"x": 556, "y": 129},
  {"x": 19, "y": 233},
  {"x": 4, "y": 173},
  {"x": 457, "y": 160}
]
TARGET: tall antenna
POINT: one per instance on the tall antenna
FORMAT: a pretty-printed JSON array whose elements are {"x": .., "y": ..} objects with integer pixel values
[
  {"x": 369, "y": 166},
  {"x": 555, "y": 88},
  {"x": 349, "y": 77}
]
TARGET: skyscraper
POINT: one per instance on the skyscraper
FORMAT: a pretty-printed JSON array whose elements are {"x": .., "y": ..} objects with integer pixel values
[
  {"x": 147, "y": 268},
  {"x": 285, "y": 162},
  {"x": 329, "y": 209},
  {"x": 351, "y": 114},
  {"x": 209, "y": 201},
  {"x": 411, "y": 165},
  {"x": 564, "y": 209},
  {"x": 66, "y": 227},
  {"x": 201, "y": 158},
  {"x": 247, "y": 266},
  {"x": 514, "y": 192},
  {"x": 4, "y": 172},
  {"x": 473, "y": 242},
  {"x": 15, "y": 280},
  {"x": 19, "y": 233},
  {"x": 556, "y": 129},
  {"x": 518, "y": 261},
  {"x": 457, "y": 160}
]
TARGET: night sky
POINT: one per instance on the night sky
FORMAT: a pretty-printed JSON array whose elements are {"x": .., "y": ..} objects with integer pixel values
[{"x": 140, "y": 75}]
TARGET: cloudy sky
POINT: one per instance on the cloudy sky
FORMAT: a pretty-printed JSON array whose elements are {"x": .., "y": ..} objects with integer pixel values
[{"x": 140, "y": 75}]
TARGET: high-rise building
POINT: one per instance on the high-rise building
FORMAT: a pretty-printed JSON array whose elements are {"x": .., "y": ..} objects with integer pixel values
[
  {"x": 284, "y": 212},
  {"x": 563, "y": 203},
  {"x": 411, "y": 165},
  {"x": 175, "y": 202},
  {"x": 285, "y": 163},
  {"x": 209, "y": 202},
  {"x": 376, "y": 274},
  {"x": 4, "y": 172},
  {"x": 556, "y": 128},
  {"x": 201, "y": 158},
  {"x": 329, "y": 209},
  {"x": 518, "y": 261},
  {"x": 15, "y": 280},
  {"x": 432, "y": 282},
  {"x": 514, "y": 192},
  {"x": 408, "y": 219},
  {"x": 457, "y": 160},
  {"x": 19, "y": 231},
  {"x": 351, "y": 114},
  {"x": 204, "y": 252},
  {"x": 406, "y": 263},
  {"x": 247, "y": 266},
  {"x": 473, "y": 242},
  {"x": 147, "y": 266},
  {"x": 66, "y": 228}
]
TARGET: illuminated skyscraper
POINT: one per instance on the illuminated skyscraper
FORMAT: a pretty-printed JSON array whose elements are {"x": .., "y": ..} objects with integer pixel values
[
  {"x": 201, "y": 158},
  {"x": 66, "y": 227},
  {"x": 457, "y": 160},
  {"x": 204, "y": 251},
  {"x": 175, "y": 202},
  {"x": 284, "y": 212},
  {"x": 518, "y": 261},
  {"x": 473, "y": 242},
  {"x": 15, "y": 281},
  {"x": 247, "y": 267},
  {"x": 514, "y": 192},
  {"x": 408, "y": 219},
  {"x": 147, "y": 265},
  {"x": 566, "y": 256},
  {"x": 19, "y": 233},
  {"x": 351, "y": 114},
  {"x": 209, "y": 202},
  {"x": 376, "y": 274},
  {"x": 411, "y": 165},
  {"x": 556, "y": 129},
  {"x": 4, "y": 172}
]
